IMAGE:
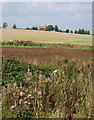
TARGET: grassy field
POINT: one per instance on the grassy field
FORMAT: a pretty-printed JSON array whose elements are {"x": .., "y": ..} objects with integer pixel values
[{"x": 45, "y": 37}]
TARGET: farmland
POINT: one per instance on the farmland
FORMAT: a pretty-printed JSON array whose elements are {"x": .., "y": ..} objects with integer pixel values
[
  {"x": 45, "y": 54},
  {"x": 42, "y": 79},
  {"x": 45, "y": 37}
]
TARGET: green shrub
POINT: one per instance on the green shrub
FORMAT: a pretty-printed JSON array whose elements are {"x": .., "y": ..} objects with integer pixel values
[{"x": 13, "y": 71}]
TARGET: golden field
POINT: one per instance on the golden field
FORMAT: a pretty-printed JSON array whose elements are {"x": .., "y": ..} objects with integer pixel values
[{"x": 45, "y": 36}]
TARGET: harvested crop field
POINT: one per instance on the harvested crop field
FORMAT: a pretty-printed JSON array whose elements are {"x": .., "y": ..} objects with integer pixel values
[
  {"x": 45, "y": 37},
  {"x": 45, "y": 54}
]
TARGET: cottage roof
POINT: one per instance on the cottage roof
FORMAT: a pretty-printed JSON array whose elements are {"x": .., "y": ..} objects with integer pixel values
[{"x": 42, "y": 27}]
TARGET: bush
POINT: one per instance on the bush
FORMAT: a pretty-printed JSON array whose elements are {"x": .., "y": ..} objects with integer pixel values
[
  {"x": 67, "y": 30},
  {"x": 15, "y": 71}
]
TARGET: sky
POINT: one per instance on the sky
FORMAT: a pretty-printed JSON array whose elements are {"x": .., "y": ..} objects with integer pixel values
[
  {"x": 47, "y": 0},
  {"x": 71, "y": 15}
]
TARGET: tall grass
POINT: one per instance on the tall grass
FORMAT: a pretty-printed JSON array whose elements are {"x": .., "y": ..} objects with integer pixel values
[{"x": 65, "y": 93}]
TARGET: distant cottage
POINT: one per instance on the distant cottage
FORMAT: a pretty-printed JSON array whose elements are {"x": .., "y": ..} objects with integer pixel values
[{"x": 42, "y": 28}]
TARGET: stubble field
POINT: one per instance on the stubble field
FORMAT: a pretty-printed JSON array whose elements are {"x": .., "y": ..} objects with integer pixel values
[{"x": 45, "y": 37}]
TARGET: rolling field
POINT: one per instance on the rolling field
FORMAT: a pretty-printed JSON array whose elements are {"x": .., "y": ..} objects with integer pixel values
[{"x": 45, "y": 37}]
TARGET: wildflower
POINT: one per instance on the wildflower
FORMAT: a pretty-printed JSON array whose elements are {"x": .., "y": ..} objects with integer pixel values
[
  {"x": 39, "y": 92},
  {"x": 25, "y": 98},
  {"x": 29, "y": 103},
  {"x": 12, "y": 107},
  {"x": 25, "y": 102},
  {"x": 55, "y": 71},
  {"x": 29, "y": 95},
  {"x": 62, "y": 80},
  {"x": 21, "y": 85},
  {"x": 21, "y": 93},
  {"x": 46, "y": 80},
  {"x": 20, "y": 101},
  {"x": 15, "y": 84},
  {"x": 28, "y": 69},
  {"x": 40, "y": 76}
]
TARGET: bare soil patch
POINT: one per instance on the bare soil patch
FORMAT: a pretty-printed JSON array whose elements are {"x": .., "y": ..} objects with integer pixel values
[{"x": 45, "y": 54}]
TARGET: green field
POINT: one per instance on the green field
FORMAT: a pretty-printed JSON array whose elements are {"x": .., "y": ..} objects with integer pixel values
[{"x": 45, "y": 37}]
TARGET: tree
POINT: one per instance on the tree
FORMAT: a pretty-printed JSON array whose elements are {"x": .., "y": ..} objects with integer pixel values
[
  {"x": 79, "y": 31},
  {"x": 5, "y": 25},
  {"x": 56, "y": 28},
  {"x": 28, "y": 28},
  {"x": 34, "y": 28},
  {"x": 71, "y": 31},
  {"x": 67, "y": 30},
  {"x": 75, "y": 31},
  {"x": 14, "y": 26},
  {"x": 60, "y": 31},
  {"x": 49, "y": 28},
  {"x": 82, "y": 31},
  {"x": 88, "y": 32}
]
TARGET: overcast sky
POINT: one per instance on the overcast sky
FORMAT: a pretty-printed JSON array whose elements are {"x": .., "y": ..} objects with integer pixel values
[{"x": 66, "y": 15}]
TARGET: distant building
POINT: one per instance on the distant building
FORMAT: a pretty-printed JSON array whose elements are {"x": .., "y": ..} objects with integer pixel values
[{"x": 42, "y": 28}]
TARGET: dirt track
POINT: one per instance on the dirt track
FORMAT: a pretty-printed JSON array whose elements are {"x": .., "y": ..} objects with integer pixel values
[{"x": 45, "y": 54}]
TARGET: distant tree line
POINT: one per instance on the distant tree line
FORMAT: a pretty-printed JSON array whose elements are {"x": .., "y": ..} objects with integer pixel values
[
  {"x": 52, "y": 28},
  {"x": 32, "y": 28},
  {"x": 82, "y": 31}
]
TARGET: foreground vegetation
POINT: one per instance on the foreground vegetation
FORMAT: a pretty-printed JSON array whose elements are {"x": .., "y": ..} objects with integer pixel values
[
  {"x": 18, "y": 43},
  {"x": 59, "y": 90}
]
